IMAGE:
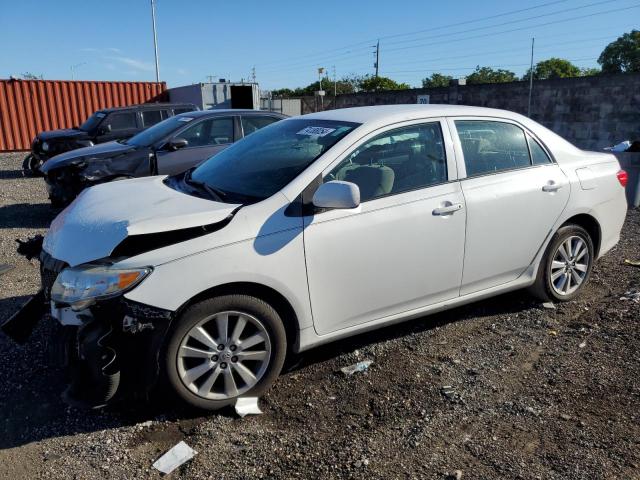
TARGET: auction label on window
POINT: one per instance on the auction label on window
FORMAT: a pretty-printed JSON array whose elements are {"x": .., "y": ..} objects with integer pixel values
[
  {"x": 185, "y": 119},
  {"x": 316, "y": 131}
]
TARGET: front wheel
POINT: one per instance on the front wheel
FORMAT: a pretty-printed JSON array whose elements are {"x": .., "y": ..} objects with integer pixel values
[
  {"x": 566, "y": 265},
  {"x": 224, "y": 348},
  {"x": 31, "y": 166}
]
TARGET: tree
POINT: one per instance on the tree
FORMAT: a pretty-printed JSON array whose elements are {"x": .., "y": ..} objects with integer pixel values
[
  {"x": 436, "y": 80},
  {"x": 372, "y": 83},
  {"x": 489, "y": 75},
  {"x": 553, "y": 68},
  {"x": 589, "y": 72},
  {"x": 622, "y": 55},
  {"x": 344, "y": 85}
]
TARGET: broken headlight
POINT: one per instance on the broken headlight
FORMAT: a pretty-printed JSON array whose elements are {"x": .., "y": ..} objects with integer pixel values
[{"x": 81, "y": 286}]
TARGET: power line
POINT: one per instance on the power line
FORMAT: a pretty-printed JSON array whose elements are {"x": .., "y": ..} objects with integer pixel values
[
  {"x": 555, "y": 22},
  {"x": 510, "y": 22},
  {"x": 490, "y": 17}
]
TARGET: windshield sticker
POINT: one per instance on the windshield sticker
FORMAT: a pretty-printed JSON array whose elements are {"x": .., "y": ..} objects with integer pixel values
[
  {"x": 185, "y": 119},
  {"x": 316, "y": 131},
  {"x": 101, "y": 115}
]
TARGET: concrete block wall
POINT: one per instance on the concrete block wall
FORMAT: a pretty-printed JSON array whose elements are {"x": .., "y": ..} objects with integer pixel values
[{"x": 591, "y": 112}]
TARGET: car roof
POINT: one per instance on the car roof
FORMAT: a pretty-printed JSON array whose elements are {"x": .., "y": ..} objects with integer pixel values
[
  {"x": 142, "y": 106},
  {"x": 397, "y": 113},
  {"x": 230, "y": 111}
]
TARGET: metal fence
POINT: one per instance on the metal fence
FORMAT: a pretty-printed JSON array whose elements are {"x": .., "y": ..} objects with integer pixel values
[{"x": 31, "y": 106}]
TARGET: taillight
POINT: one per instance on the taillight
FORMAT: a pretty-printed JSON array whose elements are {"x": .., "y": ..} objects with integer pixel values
[{"x": 622, "y": 177}]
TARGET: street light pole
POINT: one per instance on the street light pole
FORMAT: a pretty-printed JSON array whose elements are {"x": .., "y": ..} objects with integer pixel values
[
  {"x": 73, "y": 69},
  {"x": 155, "y": 38},
  {"x": 530, "y": 80}
]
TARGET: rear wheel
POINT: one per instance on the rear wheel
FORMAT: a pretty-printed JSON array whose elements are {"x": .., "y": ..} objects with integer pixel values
[
  {"x": 224, "y": 348},
  {"x": 566, "y": 266}
]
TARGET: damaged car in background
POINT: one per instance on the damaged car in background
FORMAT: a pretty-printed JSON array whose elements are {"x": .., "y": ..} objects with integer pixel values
[
  {"x": 313, "y": 229},
  {"x": 169, "y": 147},
  {"x": 104, "y": 125}
]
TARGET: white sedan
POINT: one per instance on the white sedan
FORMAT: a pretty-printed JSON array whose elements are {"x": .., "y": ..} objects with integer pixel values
[{"x": 316, "y": 228}]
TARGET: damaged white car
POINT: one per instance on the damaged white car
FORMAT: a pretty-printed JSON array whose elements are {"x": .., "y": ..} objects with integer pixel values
[{"x": 313, "y": 229}]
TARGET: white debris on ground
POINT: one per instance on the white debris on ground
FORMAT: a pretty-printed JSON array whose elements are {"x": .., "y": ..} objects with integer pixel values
[
  {"x": 357, "y": 367},
  {"x": 247, "y": 406},
  {"x": 178, "y": 455},
  {"x": 631, "y": 295}
]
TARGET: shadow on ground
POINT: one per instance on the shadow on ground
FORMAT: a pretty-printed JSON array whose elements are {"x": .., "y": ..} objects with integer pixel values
[
  {"x": 26, "y": 215},
  {"x": 31, "y": 408}
]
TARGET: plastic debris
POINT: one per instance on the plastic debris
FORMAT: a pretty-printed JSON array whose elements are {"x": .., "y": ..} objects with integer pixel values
[
  {"x": 620, "y": 147},
  {"x": 247, "y": 406},
  {"x": 548, "y": 306},
  {"x": 362, "y": 366},
  {"x": 633, "y": 263},
  {"x": 631, "y": 295},
  {"x": 4, "y": 268},
  {"x": 175, "y": 457}
]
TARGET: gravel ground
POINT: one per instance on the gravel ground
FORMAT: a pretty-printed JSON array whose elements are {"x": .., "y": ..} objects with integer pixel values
[{"x": 499, "y": 389}]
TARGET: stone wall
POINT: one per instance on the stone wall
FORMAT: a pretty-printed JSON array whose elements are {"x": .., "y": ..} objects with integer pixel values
[{"x": 591, "y": 112}]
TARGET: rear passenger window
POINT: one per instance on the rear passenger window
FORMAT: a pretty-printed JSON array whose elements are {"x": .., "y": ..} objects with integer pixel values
[
  {"x": 254, "y": 123},
  {"x": 491, "y": 147},
  {"x": 538, "y": 155},
  {"x": 150, "y": 117},
  {"x": 122, "y": 121},
  {"x": 396, "y": 161}
]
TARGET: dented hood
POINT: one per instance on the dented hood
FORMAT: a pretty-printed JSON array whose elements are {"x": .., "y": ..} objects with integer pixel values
[
  {"x": 102, "y": 150},
  {"x": 103, "y": 216}
]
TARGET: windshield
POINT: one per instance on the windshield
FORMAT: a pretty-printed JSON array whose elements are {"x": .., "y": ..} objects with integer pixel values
[
  {"x": 92, "y": 122},
  {"x": 154, "y": 134},
  {"x": 264, "y": 162}
]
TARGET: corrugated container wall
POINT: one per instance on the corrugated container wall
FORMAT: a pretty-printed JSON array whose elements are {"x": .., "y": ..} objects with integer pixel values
[{"x": 31, "y": 106}]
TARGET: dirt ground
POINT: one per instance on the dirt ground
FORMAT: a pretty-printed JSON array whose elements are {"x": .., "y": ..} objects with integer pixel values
[{"x": 499, "y": 389}]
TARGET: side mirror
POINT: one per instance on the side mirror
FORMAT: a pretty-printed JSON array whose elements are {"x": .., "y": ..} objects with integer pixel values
[
  {"x": 177, "y": 143},
  {"x": 337, "y": 194}
]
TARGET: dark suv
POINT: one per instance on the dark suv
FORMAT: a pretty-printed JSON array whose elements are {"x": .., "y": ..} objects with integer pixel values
[{"x": 103, "y": 126}]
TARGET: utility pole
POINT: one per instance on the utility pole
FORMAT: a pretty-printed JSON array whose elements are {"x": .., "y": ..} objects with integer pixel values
[
  {"x": 155, "y": 38},
  {"x": 253, "y": 74},
  {"x": 321, "y": 92},
  {"x": 377, "y": 64},
  {"x": 335, "y": 84},
  {"x": 530, "y": 80},
  {"x": 74, "y": 67}
]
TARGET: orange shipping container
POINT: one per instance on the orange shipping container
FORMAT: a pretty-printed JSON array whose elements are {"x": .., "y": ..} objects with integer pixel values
[{"x": 31, "y": 106}]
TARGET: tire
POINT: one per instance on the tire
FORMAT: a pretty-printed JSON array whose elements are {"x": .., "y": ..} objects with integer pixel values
[
  {"x": 549, "y": 284},
  {"x": 30, "y": 166},
  {"x": 263, "y": 360}
]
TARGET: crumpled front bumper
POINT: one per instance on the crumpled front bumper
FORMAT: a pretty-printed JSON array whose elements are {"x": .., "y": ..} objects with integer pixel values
[{"x": 111, "y": 350}]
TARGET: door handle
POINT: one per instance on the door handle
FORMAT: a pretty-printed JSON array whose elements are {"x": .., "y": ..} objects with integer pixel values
[
  {"x": 448, "y": 209},
  {"x": 551, "y": 186}
]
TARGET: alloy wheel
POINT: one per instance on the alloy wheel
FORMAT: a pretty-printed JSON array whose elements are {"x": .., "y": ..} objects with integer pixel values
[
  {"x": 569, "y": 266},
  {"x": 224, "y": 356}
]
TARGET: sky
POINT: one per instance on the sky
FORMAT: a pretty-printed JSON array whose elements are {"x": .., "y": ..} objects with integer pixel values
[{"x": 287, "y": 41}]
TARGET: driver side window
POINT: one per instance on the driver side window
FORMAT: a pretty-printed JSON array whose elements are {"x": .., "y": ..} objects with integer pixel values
[
  {"x": 400, "y": 160},
  {"x": 213, "y": 131}
]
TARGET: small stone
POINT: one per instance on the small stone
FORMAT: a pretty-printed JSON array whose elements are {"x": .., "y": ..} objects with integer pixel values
[{"x": 548, "y": 306}]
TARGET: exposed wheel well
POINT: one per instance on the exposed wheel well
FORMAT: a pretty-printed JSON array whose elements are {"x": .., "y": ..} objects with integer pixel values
[
  {"x": 268, "y": 294},
  {"x": 592, "y": 227}
]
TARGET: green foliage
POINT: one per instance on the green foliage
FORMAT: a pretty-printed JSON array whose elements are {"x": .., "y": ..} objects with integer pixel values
[
  {"x": 553, "y": 68},
  {"x": 622, "y": 55},
  {"x": 490, "y": 75},
  {"x": 589, "y": 72},
  {"x": 436, "y": 80},
  {"x": 372, "y": 83}
]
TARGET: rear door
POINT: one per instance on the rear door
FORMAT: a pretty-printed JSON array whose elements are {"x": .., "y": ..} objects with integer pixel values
[
  {"x": 403, "y": 247},
  {"x": 514, "y": 194},
  {"x": 253, "y": 123},
  {"x": 205, "y": 138},
  {"x": 117, "y": 126}
]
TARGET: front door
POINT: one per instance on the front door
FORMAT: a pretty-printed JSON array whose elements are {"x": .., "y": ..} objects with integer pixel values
[
  {"x": 205, "y": 138},
  {"x": 514, "y": 194},
  {"x": 403, "y": 247}
]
